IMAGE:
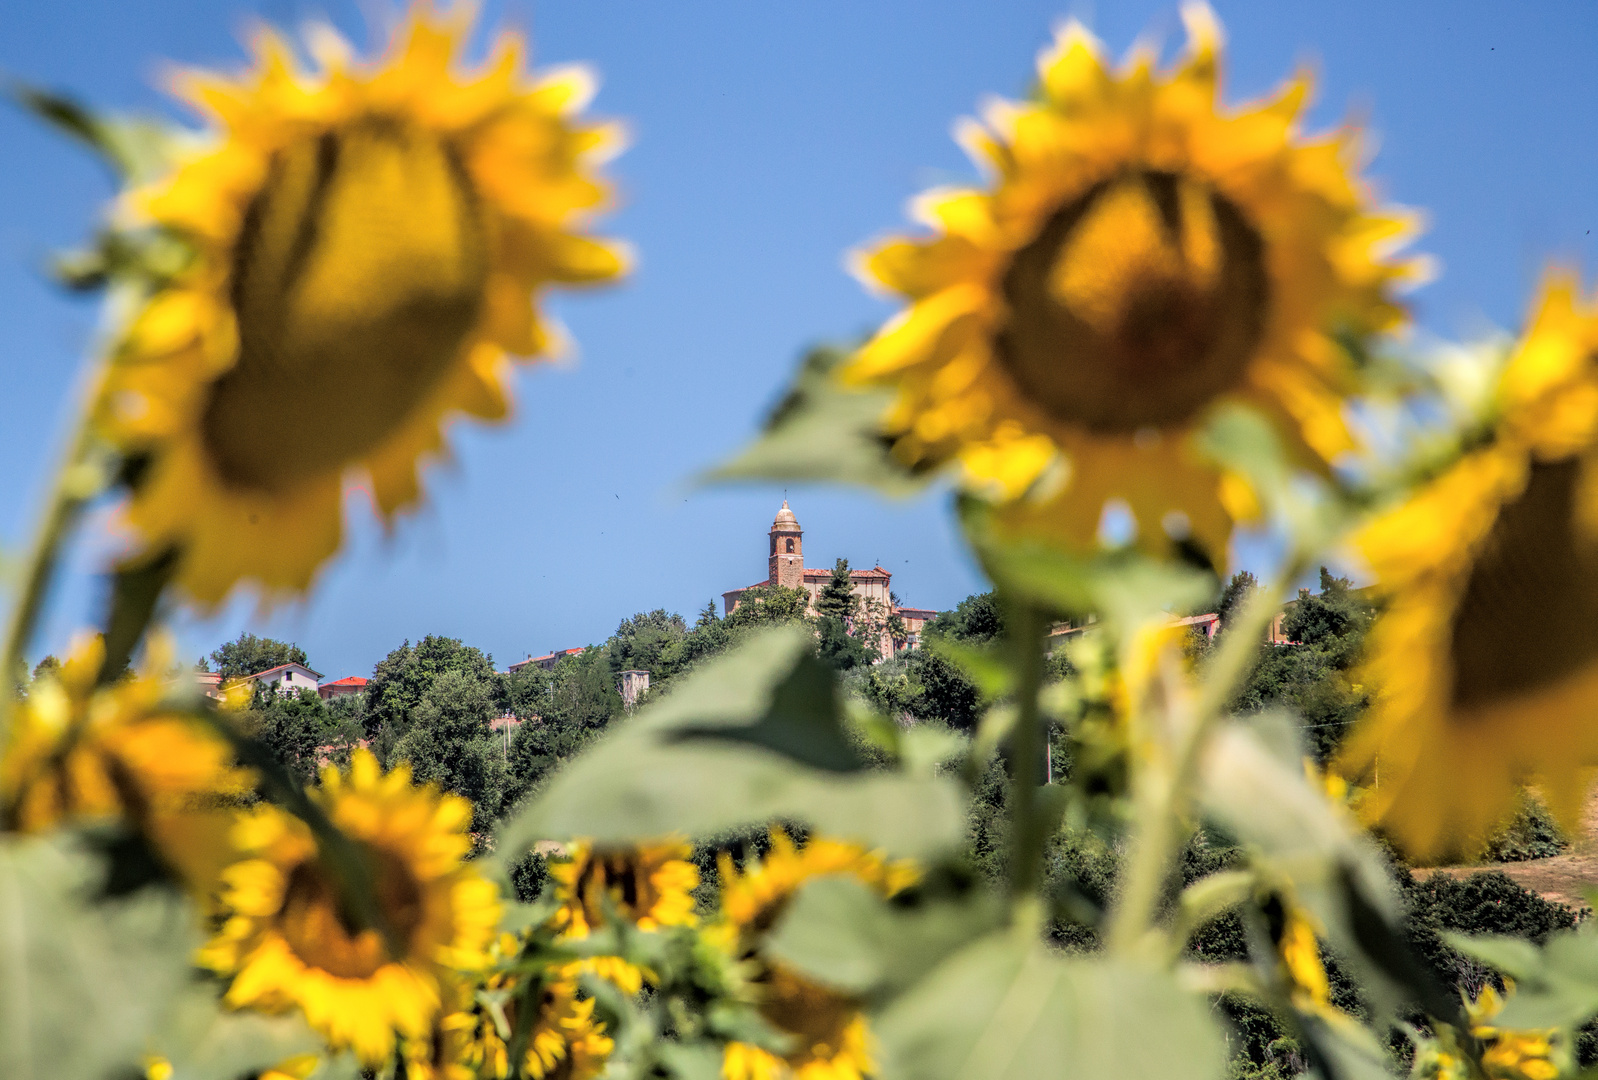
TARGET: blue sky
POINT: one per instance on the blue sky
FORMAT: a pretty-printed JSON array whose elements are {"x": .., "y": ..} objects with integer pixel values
[{"x": 768, "y": 139}]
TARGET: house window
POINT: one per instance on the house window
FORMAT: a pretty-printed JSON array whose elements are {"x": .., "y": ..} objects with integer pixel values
[{"x": 790, "y": 545}]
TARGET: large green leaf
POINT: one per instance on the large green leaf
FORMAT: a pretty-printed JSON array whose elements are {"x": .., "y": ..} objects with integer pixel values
[
  {"x": 754, "y": 736},
  {"x": 822, "y": 431},
  {"x": 841, "y": 933},
  {"x": 1556, "y": 986},
  {"x": 83, "y": 983},
  {"x": 1007, "y": 1007},
  {"x": 1335, "y": 869},
  {"x": 202, "y": 1041}
]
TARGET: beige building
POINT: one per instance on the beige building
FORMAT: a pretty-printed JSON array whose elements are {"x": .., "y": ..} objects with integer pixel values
[{"x": 785, "y": 566}]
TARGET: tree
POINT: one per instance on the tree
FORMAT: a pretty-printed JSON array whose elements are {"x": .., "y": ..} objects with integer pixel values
[
  {"x": 1312, "y": 677},
  {"x": 248, "y": 655},
  {"x": 402, "y": 678},
  {"x": 450, "y": 742},
  {"x": 837, "y": 599},
  {"x": 765, "y": 605},
  {"x": 1236, "y": 593},
  {"x": 648, "y": 641},
  {"x": 839, "y": 648},
  {"x": 292, "y": 726},
  {"x": 707, "y": 616}
]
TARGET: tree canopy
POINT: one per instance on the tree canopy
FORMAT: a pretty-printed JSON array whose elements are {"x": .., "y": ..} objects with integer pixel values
[{"x": 248, "y": 655}]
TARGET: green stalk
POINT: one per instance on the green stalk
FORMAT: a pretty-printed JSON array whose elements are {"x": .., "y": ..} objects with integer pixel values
[
  {"x": 1162, "y": 797},
  {"x": 1025, "y": 753},
  {"x": 76, "y": 483}
]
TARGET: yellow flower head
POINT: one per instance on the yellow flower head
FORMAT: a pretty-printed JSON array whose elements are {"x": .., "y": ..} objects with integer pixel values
[
  {"x": 1300, "y": 955},
  {"x": 1509, "y": 1054},
  {"x": 1141, "y": 256},
  {"x": 1483, "y": 664},
  {"x": 471, "y": 1042},
  {"x": 286, "y": 943},
  {"x": 832, "y": 1040},
  {"x": 369, "y": 240},
  {"x": 78, "y": 751},
  {"x": 650, "y": 885}
]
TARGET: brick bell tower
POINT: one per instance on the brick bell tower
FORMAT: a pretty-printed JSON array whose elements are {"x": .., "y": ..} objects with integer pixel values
[{"x": 787, "y": 567}]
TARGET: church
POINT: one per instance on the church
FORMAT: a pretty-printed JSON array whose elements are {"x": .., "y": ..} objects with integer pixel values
[{"x": 786, "y": 567}]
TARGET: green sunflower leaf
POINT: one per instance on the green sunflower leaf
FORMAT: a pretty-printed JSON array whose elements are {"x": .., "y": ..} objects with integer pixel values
[
  {"x": 824, "y": 432},
  {"x": 201, "y": 1041},
  {"x": 1006, "y": 1007},
  {"x": 754, "y": 736},
  {"x": 137, "y": 150},
  {"x": 842, "y": 934},
  {"x": 83, "y": 980},
  {"x": 1556, "y": 985}
]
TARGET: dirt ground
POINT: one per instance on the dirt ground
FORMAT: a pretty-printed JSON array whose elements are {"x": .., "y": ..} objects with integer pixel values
[{"x": 1562, "y": 878}]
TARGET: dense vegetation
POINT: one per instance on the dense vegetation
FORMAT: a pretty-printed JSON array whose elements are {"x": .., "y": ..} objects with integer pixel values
[{"x": 434, "y": 703}]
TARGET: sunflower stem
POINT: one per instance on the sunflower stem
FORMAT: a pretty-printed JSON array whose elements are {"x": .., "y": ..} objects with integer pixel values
[
  {"x": 77, "y": 481},
  {"x": 1025, "y": 753},
  {"x": 1163, "y": 790}
]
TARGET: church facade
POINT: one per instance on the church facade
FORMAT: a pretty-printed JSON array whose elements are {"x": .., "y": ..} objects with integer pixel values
[{"x": 785, "y": 566}]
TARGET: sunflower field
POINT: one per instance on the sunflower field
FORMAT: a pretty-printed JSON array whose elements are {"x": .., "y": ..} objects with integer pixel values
[{"x": 1160, "y": 318}]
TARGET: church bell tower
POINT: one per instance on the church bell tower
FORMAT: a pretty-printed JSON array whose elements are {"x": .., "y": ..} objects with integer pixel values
[{"x": 787, "y": 566}]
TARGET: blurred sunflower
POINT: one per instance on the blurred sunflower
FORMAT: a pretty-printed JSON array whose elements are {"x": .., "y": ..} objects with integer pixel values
[
  {"x": 1141, "y": 257},
  {"x": 368, "y": 242},
  {"x": 831, "y": 1039},
  {"x": 1299, "y": 953},
  {"x": 1483, "y": 664},
  {"x": 471, "y": 1042},
  {"x": 1512, "y": 1054},
  {"x": 78, "y": 751},
  {"x": 649, "y": 885},
  {"x": 285, "y": 941}
]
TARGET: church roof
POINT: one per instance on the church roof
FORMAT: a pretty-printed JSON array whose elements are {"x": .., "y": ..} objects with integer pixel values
[
  {"x": 785, "y": 521},
  {"x": 875, "y": 572}
]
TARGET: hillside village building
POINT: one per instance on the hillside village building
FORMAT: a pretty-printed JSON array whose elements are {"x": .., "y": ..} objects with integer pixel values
[{"x": 785, "y": 566}]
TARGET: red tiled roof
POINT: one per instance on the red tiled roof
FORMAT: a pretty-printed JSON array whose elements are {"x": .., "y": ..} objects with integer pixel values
[
  {"x": 873, "y": 573},
  {"x": 348, "y": 680}
]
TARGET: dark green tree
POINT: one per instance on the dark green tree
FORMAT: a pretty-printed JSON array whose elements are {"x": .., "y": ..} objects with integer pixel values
[
  {"x": 450, "y": 743},
  {"x": 707, "y": 616},
  {"x": 649, "y": 641},
  {"x": 248, "y": 654},
  {"x": 839, "y": 648},
  {"x": 402, "y": 678},
  {"x": 765, "y": 605},
  {"x": 292, "y": 726},
  {"x": 837, "y": 599},
  {"x": 1313, "y": 677},
  {"x": 1238, "y": 590}
]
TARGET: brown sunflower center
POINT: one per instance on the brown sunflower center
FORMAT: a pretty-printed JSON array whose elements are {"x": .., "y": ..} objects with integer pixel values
[
  {"x": 820, "y": 1017},
  {"x": 1136, "y": 304},
  {"x": 312, "y": 922},
  {"x": 623, "y": 878},
  {"x": 1525, "y": 619},
  {"x": 358, "y": 275}
]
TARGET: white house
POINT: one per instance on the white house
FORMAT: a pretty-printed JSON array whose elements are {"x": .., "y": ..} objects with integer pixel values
[{"x": 289, "y": 678}]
